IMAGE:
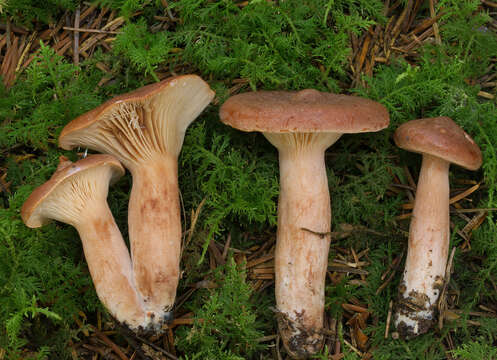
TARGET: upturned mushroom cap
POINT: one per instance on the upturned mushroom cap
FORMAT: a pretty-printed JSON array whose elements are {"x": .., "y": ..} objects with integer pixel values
[
  {"x": 32, "y": 211},
  {"x": 303, "y": 111},
  {"x": 138, "y": 124},
  {"x": 440, "y": 137}
]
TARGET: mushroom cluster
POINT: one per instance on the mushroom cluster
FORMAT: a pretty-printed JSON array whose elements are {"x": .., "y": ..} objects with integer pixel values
[
  {"x": 144, "y": 131},
  {"x": 302, "y": 125}
]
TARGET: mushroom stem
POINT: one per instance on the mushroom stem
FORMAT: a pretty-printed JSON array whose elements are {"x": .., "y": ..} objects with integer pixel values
[
  {"x": 155, "y": 231},
  {"x": 110, "y": 265},
  {"x": 301, "y": 257},
  {"x": 427, "y": 251}
]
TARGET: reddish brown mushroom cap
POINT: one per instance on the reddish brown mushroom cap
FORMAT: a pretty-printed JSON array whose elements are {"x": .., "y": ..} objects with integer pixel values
[
  {"x": 304, "y": 111},
  {"x": 65, "y": 170},
  {"x": 440, "y": 137}
]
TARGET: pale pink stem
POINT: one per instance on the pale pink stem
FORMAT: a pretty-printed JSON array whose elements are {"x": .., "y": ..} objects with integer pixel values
[
  {"x": 110, "y": 265},
  {"x": 303, "y": 239},
  {"x": 427, "y": 251},
  {"x": 155, "y": 231}
]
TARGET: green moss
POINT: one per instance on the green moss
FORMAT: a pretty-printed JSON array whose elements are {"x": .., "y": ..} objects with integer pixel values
[
  {"x": 50, "y": 95},
  {"x": 269, "y": 45},
  {"x": 226, "y": 324},
  {"x": 25, "y": 12},
  {"x": 237, "y": 178},
  {"x": 475, "y": 351},
  {"x": 290, "y": 46},
  {"x": 143, "y": 49}
]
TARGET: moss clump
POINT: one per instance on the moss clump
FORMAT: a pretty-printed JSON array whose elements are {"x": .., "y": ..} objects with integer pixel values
[
  {"x": 226, "y": 321},
  {"x": 239, "y": 46}
]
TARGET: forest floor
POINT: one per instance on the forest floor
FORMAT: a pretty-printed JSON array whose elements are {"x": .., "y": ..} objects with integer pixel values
[{"x": 418, "y": 58}]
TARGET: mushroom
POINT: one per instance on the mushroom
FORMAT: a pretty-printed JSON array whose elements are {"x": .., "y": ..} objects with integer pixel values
[
  {"x": 76, "y": 194},
  {"x": 145, "y": 129},
  {"x": 302, "y": 125},
  {"x": 441, "y": 142}
]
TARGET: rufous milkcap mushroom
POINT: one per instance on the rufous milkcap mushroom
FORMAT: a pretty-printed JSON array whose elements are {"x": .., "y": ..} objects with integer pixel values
[
  {"x": 76, "y": 194},
  {"x": 441, "y": 142},
  {"x": 302, "y": 125},
  {"x": 145, "y": 129}
]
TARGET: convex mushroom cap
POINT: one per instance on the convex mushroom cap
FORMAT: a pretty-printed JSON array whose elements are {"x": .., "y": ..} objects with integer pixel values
[
  {"x": 38, "y": 209},
  {"x": 304, "y": 111},
  {"x": 440, "y": 137}
]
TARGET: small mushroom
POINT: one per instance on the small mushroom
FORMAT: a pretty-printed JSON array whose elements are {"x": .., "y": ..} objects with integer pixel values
[
  {"x": 76, "y": 194},
  {"x": 441, "y": 142},
  {"x": 145, "y": 129},
  {"x": 302, "y": 125}
]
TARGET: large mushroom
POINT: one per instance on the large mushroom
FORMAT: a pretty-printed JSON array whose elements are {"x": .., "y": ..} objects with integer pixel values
[
  {"x": 302, "y": 125},
  {"x": 145, "y": 129},
  {"x": 76, "y": 194},
  {"x": 441, "y": 142}
]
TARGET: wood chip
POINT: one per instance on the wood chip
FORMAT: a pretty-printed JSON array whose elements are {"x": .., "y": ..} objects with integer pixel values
[
  {"x": 110, "y": 26},
  {"x": 109, "y": 343},
  {"x": 361, "y": 339},
  {"x": 226, "y": 247},
  {"x": 193, "y": 222},
  {"x": 8, "y": 67},
  {"x": 490, "y": 3},
  {"x": 354, "y": 308},
  {"x": 442, "y": 300},
  {"x": 389, "y": 318},
  {"x": 435, "y": 25},
  {"x": 263, "y": 270},
  {"x": 394, "y": 264},
  {"x": 453, "y": 200},
  {"x": 390, "y": 277},
  {"x": 474, "y": 223},
  {"x": 425, "y": 24},
  {"x": 183, "y": 321},
  {"x": 486, "y": 95},
  {"x": 362, "y": 56},
  {"x": 75, "y": 52},
  {"x": 347, "y": 269},
  {"x": 464, "y": 194},
  {"x": 77, "y": 29},
  {"x": 353, "y": 348},
  {"x": 260, "y": 260},
  {"x": 261, "y": 276}
]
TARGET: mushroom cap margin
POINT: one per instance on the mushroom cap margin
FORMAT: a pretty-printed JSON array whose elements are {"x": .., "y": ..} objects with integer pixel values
[{"x": 65, "y": 170}]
